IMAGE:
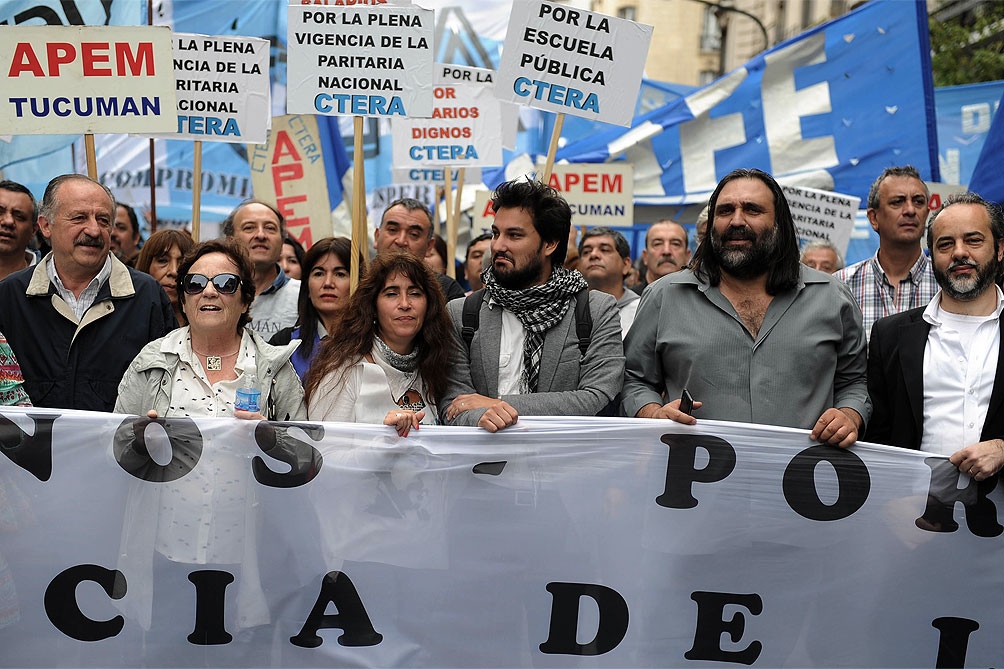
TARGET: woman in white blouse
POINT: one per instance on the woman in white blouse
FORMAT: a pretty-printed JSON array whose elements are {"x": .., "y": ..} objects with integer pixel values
[
  {"x": 388, "y": 363},
  {"x": 203, "y": 509}
]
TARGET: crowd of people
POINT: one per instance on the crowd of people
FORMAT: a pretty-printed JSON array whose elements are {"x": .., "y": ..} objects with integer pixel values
[{"x": 902, "y": 348}]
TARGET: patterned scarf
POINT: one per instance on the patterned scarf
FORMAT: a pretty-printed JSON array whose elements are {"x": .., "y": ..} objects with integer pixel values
[
  {"x": 402, "y": 363},
  {"x": 538, "y": 308}
]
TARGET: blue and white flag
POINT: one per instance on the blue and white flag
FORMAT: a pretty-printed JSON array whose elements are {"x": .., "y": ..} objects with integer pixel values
[
  {"x": 988, "y": 175},
  {"x": 828, "y": 109}
]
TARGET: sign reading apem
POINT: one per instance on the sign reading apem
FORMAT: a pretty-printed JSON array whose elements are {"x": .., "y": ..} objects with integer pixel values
[
  {"x": 359, "y": 61},
  {"x": 60, "y": 79},
  {"x": 572, "y": 61}
]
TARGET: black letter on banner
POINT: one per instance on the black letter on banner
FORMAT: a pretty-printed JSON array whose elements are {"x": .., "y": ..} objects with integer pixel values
[
  {"x": 32, "y": 453},
  {"x": 681, "y": 470},
  {"x": 954, "y": 640},
  {"x": 63, "y": 611},
  {"x": 710, "y": 626},
  {"x": 210, "y": 592},
  {"x": 133, "y": 456},
  {"x": 799, "y": 483},
  {"x": 337, "y": 589},
  {"x": 944, "y": 493},
  {"x": 610, "y": 631},
  {"x": 303, "y": 459}
]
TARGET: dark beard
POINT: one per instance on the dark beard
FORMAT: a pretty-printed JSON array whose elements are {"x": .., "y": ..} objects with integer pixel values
[
  {"x": 745, "y": 263},
  {"x": 518, "y": 278},
  {"x": 956, "y": 289}
]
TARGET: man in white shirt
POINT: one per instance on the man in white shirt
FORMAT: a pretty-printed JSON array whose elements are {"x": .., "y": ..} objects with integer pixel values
[
  {"x": 605, "y": 259},
  {"x": 261, "y": 228},
  {"x": 935, "y": 373}
]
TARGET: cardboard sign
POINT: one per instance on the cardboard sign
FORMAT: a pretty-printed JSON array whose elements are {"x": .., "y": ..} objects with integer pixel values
[
  {"x": 465, "y": 128},
  {"x": 822, "y": 215},
  {"x": 572, "y": 61},
  {"x": 289, "y": 170},
  {"x": 222, "y": 88},
  {"x": 59, "y": 80},
  {"x": 597, "y": 194},
  {"x": 360, "y": 61}
]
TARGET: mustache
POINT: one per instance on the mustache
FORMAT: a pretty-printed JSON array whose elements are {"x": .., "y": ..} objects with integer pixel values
[
  {"x": 503, "y": 256},
  {"x": 738, "y": 234},
  {"x": 963, "y": 263},
  {"x": 87, "y": 240}
]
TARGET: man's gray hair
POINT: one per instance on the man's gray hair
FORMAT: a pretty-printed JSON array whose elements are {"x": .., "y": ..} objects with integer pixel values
[
  {"x": 903, "y": 171},
  {"x": 227, "y": 227},
  {"x": 49, "y": 199},
  {"x": 824, "y": 245}
]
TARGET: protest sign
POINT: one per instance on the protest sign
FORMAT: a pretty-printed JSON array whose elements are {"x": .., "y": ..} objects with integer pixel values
[
  {"x": 598, "y": 195},
  {"x": 359, "y": 61},
  {"x": 572, "y": 61},
  {"x": 466, "y": 125},
  {"x": 222, "y": 87},
  {"x": 586, "y": 541},
  {"x": 822, "y": 215},
  {"x": 289, "y": 170},
  {"x": 62, "y": 79}
]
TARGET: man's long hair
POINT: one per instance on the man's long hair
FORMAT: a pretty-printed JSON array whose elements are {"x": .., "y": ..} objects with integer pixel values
[
  {"x": 783, "y": 269},
  {"x": 357, "y": 326}
]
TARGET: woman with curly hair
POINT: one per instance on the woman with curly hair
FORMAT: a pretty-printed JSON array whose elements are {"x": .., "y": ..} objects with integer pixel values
[{"x": 388, "y": 362}]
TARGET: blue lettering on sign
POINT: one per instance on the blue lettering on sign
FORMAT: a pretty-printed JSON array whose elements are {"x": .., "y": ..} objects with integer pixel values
[
  {"x": 359, "y": 105},
  {"x": 208, "y": 125},
  {"x": 556, "y": 94},
  {"x": 86, "y": 106}
]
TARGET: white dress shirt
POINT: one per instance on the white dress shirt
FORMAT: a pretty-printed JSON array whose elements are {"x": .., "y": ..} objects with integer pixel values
[{"x": 960, "y": 363}]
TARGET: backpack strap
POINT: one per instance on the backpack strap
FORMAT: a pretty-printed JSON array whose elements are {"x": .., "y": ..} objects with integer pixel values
[
  {"x": 471, "y": 317},
  {"x": 583, "y": 321}
]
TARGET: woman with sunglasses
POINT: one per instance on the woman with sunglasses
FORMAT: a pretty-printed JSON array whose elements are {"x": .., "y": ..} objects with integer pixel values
[
  {"x": 205, "y": 517},
  {"x": 198, "y": 369},
  {"x": 388, "y": 363}
]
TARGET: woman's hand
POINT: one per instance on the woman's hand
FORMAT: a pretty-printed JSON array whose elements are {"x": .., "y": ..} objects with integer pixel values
[
  {"x": 248, "y": 415},
  {"x": 403, "y": 420}
]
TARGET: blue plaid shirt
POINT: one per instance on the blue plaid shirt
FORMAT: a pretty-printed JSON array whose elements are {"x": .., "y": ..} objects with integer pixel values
[{"x": 878, "y": 298}]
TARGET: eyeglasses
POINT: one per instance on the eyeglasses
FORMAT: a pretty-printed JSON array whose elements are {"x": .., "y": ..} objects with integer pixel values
[{"x": 225, "y": 284}]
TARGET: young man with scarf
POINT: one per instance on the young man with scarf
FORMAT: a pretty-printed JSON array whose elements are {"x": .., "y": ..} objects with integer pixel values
[{"x": 525, "y": 356}]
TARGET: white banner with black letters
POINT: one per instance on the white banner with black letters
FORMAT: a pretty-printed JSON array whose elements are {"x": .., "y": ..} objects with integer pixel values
[{"x": 558, "y": 542}]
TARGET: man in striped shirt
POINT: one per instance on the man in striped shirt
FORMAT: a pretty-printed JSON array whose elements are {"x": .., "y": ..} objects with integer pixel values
[{"x": 899, "y": 276}]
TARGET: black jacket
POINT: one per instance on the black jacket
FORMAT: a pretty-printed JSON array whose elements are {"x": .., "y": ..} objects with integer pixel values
[{"x": 79, "y": 367}]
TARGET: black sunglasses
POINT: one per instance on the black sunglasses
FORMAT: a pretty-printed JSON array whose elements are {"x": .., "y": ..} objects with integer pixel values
[{"x": 225, "y": 284}]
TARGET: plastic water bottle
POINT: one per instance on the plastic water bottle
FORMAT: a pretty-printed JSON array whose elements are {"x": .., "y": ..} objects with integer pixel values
[{"x": 248, "y": 395}]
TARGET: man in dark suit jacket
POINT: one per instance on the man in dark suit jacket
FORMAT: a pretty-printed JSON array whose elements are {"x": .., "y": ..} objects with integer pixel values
[{"x": 936, "y": 361}]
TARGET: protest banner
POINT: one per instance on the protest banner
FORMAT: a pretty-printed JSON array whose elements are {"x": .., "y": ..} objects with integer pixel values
[
  {"x": 85, "y": 79},
  {"x": 571, "y": 61},
  {"x": 359, "y": 61},
  {"x": 222, "y": 87},
  {"x": 466, "y": 125},
  {"x": 822, "y": 215},
  {"x": 580, "y": 542},
  {"x": 289, "y": 169},
  {"x": 598, "y": 195}
]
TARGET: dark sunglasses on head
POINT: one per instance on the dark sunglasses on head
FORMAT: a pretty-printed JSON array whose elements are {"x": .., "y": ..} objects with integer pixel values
[{"x": 225, "y": 284}]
